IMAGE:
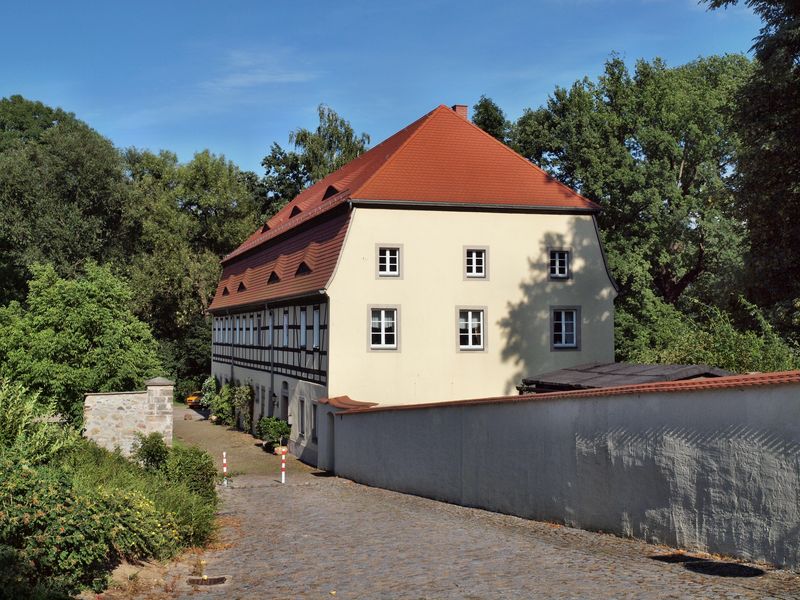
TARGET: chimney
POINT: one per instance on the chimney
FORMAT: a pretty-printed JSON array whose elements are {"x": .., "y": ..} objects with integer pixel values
[{"x": 462, "y": 110}]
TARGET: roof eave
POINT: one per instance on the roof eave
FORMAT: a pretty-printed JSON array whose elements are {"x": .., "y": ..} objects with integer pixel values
[
  {"x": 269, "y": 302},
  {"x": 467, "y": 206}
]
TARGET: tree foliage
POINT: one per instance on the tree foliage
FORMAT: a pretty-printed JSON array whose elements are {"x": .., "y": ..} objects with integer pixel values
[
  {"x": 75, "y": 336},
  {"x": 317, "y": 153},
  {"x": 62, "y": 193},
  {"x": 768, "y": 120},
  {"x": 657, "y": 149},
  {"x": 490, "y": 117}
]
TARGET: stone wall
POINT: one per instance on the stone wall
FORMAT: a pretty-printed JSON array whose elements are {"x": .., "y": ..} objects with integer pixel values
[
  {"x": 113, "y": 420},
  {"x": 714, "y": 469}
]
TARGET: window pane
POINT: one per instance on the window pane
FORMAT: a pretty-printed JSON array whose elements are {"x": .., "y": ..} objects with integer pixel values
[{"x": 316, "y": 327}]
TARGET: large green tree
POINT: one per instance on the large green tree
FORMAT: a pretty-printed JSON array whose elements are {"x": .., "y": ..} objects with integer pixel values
[
  {"x": 75, "y": 336},
  {"x": 768, "y": 121},
  {"x": 657, "y": 149},
  {"x": 185, "y": 217},
  {"x": 62, "y": 193},
  {"x": 316, "y": 153}
]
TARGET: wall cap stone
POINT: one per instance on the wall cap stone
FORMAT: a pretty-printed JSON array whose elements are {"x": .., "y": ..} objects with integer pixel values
[{"x": 155, "y": 381}]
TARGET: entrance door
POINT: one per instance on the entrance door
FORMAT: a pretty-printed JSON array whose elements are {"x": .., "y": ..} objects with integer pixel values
[{"x": 284, "y": 415}]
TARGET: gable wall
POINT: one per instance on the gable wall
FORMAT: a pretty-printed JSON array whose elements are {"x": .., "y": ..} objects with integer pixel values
[{"x": 517, "y": 297}]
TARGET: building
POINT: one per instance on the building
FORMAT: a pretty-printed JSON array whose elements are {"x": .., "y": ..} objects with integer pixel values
[{"x": 438, "y": 265}]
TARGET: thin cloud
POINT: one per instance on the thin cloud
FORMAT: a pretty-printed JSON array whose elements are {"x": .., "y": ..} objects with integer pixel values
[{"x": 244, "y": 70}]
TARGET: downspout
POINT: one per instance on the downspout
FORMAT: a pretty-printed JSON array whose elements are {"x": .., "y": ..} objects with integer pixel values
[
  {"x": 271, "y": 328},
  {"x": 228, "y": 314}
]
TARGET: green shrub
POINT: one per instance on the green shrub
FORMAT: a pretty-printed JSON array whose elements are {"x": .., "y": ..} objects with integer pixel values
[
  {"x": 273, "y": 430},
  {"x": 151, "y": 451},
  {"x": 242, "y": 400},
  {"x": 90, "y": 466},
  {"x": 208, "y": 391},
  {"x": 19, "y": 579},
  {"x": 222, "y": 406},
  {"x": 27, "y": 429},
  {"x": 63, "y": 534},
  {"x": 195, "y": 468}
]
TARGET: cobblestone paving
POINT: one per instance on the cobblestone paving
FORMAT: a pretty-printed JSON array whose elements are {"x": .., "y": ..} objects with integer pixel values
[{"x": 320, "y": 537}]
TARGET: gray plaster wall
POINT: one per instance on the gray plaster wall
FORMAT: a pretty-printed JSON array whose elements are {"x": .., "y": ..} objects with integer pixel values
[
  {"x": 714, "y": 470},
  {"x": 113, "y": 420}
]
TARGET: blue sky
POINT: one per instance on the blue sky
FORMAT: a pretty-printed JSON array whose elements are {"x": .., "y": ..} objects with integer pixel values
[{"x": 236, "y": 76}]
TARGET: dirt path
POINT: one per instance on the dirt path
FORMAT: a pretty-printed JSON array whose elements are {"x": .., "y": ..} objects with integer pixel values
[{"x": 245, "y": 455}]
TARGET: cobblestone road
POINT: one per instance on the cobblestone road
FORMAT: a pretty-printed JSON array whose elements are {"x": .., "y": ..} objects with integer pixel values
[{"x": 320, "y": 537}]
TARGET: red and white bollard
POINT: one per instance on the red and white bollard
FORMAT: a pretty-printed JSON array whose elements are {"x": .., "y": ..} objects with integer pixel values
[
  {"x": 283, "y": 465},
  {"x": 225, "y": 469}
]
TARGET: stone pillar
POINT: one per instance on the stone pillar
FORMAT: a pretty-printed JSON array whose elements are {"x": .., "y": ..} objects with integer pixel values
[{"x": 158, "y": 414}]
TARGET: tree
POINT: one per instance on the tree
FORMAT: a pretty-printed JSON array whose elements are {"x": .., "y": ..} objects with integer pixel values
[
  {"x": 657, "y": 150},
  {"x": 489, "y": 116},
  {"x": 186, "y": 217},
  {"x": 75, "y": 336},
  {"x": 768, "y": 120},
  {"x": 317, "y": 153},
  {"x": 62, "y": 194}
]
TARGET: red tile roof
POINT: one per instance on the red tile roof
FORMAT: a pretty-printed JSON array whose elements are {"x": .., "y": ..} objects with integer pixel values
[
  {"x": 345, "y": 402},
  {"x": 691, "y": 385},
  {"x": 317, "y": 245},
  {"x": 440, "y": 158}
]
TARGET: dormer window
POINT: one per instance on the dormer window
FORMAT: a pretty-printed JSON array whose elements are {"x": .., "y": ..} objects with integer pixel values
[
  {"x": 273, "y": 278},
  {"x": 389, "y": 261},
  {"x": 265, "y": 228},
  {"x": 331, "y": 191},
  {"x": 225, "y": 291},
  {"x": 559, "y": 264},
  {"x": 303, "y": 269},
  {"x": 295, "y": 211},
  {"x": 241, "y": 287}
]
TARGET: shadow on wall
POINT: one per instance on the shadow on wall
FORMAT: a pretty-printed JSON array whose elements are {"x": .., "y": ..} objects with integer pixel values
[{"x": 526, "y": 326}]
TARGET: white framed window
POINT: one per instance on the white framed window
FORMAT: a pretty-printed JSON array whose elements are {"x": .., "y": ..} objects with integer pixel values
[
  {"x": 471, "y": 328},
  {"x": 383, "y": 329},
  {"x": 238, "y": 329},
  {"x": 315, "y": 340},
  {"x": 269, "y": 328},
  {"x": 475, "y": 263},
  {"x": 388, "y": 261},
  {"x": 559, "y": 264},
  {"x": 302, "y": 409},
  {"x": 286, "y": 328},
  {"x": 303, "y": 326},
  {"x": 565, "y": 328}
]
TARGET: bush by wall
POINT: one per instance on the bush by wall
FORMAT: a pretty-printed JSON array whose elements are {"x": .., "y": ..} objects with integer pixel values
[
  {"x": 151, "y": 451},
  {"x": 193, "y": 467},
  {"x": 27, "y": 428},
  {"x": 272, "y": 430}
]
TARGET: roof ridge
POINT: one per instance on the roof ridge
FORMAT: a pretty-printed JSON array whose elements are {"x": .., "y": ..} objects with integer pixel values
[
  {"x": 425, "y": 119},
  {"x": 517, "y": 155}
]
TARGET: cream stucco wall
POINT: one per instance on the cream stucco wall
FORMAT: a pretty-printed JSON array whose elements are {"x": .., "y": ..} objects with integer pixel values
[{"x": 517, "y": 297}]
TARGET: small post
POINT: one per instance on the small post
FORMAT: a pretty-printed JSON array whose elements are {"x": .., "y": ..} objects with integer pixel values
[
  {"x": 225, "y": 469},
  {"x": 283, "y": 465}
]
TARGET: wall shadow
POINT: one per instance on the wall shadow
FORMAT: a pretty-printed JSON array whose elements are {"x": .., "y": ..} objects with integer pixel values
[
  {"x": 717, "y": 568},
  {"x": 525, "y": 328}
]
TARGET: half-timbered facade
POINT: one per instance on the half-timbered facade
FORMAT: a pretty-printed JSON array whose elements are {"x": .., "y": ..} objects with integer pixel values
[{"x": 438, "y": 265}]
